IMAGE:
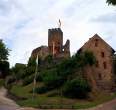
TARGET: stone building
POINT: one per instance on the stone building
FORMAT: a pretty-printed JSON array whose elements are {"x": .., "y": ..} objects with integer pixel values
[
  {"x": 55, "y": 46},
  {"x": 55, "y": 43},
  {"x": 100, "y": 75}
]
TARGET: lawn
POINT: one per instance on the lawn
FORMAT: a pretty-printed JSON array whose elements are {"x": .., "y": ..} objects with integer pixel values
[
  {"x": 1, "y": 82},
  {"x": 46, "y": 101}
]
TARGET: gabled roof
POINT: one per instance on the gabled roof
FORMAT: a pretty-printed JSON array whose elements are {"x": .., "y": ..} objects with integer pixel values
[{"x": 96, "y": 36}]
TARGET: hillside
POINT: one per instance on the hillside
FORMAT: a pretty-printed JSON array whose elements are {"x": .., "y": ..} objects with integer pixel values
[{"x": 59, "y": 83}]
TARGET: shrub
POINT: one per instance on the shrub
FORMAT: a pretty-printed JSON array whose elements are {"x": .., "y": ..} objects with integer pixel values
[
  {"x": 52, "y": 79},
  {"x": 41, "y": 90},
  {"x": 28, "y": 80},
  {"x": 76, "y": 88},
  {"x": 89, "y": 58},
  {"x": 18, "y": 71}
]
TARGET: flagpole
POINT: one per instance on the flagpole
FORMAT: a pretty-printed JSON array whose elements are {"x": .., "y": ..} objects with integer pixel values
[
  {"x": 34, "y": 80},
  {"x": 53, "y": 49},
  {"x": 59, "y": 24}
]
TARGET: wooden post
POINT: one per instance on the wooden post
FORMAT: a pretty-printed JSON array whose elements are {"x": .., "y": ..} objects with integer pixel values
[
  {"x": 53, "y": 49},
  {"x": 34, "y": 80}
]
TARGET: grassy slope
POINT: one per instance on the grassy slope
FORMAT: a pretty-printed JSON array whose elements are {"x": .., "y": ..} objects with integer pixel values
[
  {"x": 1, "y": 82},
  {"x": 56, "y": 101}
]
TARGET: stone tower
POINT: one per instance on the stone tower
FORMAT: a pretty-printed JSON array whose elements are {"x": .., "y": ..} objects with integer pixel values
[{"x": 55, "y": 41}]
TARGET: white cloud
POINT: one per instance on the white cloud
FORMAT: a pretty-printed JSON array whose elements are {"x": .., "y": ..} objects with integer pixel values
[{"x": 24, "y": 23}]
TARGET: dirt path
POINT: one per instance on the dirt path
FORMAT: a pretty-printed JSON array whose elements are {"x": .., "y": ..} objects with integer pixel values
[
  {"x": 5, "y": 102},
  {"x": 8, "y": 104}
]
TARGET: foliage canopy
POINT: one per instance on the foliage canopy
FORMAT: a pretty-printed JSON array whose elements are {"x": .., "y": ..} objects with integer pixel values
[{"x": 111, "y": 2}]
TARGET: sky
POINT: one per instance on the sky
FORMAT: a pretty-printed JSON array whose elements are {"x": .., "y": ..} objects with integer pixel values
[{"x": 24, "y": 24}]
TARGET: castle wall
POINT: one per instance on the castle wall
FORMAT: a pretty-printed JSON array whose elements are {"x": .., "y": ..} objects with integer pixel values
[{"x": 41, "y": 51}]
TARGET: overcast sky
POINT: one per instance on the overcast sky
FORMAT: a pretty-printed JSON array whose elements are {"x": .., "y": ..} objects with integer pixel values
[{"x": 24, "y": 24}]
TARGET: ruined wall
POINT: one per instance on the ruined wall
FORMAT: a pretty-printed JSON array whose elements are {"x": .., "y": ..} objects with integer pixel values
[{"x": 42, "y": 51}]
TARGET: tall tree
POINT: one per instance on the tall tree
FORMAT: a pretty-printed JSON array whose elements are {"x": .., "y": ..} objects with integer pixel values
[
  {"x": 4, "y": 64},
  {"x": 4, "y": 52},
  {"x": 111, "y": 2}
]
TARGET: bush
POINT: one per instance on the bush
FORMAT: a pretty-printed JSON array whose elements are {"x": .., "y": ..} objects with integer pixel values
[
  {"x": 28, "y": 80},
  {"x": 41, "y": 90},
  {"x": 76, "y": 88},
  {"x": 1, "y": 82},
  {"x": 66, "y": 67},
  {"x": 89, "y": 58},
  {"x": 51, "y": 79},
  {"x": 18, "y": 71}
]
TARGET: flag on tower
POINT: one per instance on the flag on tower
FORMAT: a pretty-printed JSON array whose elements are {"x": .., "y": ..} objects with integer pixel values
[{"x": 59, "y": 23}]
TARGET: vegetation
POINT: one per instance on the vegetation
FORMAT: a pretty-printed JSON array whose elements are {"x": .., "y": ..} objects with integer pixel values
[
  {"x": 44, "y": 101},
  {"x": 76, "y": 88},
  {"x": 1, "y": 82},
  {"x": 64, "y": 74},
  {"x": 18, "y": 71},
  {"x": 59, "y": 84},
  {"x": 111, "y": 2},
  {"x": 4, "y": 52},
  {"x": 4, "y": 64}
]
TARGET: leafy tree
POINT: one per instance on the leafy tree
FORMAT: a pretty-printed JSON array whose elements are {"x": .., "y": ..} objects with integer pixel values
[
  {"x": 4, "y": 64},
  {"x": 19, "y": 71},
  {"x": 4, "y": 52},
  {"x": 32, "y": 62},
  {"x": 4, "y": 68},
  {"x": 52, "y": 79},
  {"x": 111, "y": 2}
]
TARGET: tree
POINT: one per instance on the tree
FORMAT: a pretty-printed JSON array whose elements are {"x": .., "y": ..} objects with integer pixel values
[
  {"x": 111, "y": 2},
  {"x": 4, "y": 68},
  {"x": 19, "y": 71},
  {"x": 4, "y": 52},
  {"x": 4, "y": 64}
]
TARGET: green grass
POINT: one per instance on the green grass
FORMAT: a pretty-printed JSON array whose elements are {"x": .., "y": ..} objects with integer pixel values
[
  {"x": 56, "y": 101},
  {"x": 1, "y": 82},
  {"x": 101, "y": 98}
]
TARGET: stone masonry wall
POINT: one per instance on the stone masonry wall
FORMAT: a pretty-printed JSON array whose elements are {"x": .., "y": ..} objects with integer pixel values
[{"x": 102, "y": 72}]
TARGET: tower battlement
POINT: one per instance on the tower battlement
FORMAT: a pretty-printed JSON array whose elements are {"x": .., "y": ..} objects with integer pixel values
[{"x": 55, "y": 42}]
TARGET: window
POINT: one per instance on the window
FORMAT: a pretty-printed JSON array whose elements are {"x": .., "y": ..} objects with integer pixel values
[
  {"x": 102, "y": 54},
  {"x": 97, "y": 64},
  {"x": 96, "y": 42},
  {"x": 99, "y": 76},
  {"x": 104, "y": 65}
]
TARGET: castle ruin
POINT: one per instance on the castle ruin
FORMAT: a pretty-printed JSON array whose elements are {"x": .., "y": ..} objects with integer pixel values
[
  {"x": 100, "y": 75},
  {"x": 55, "y": 46}
]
